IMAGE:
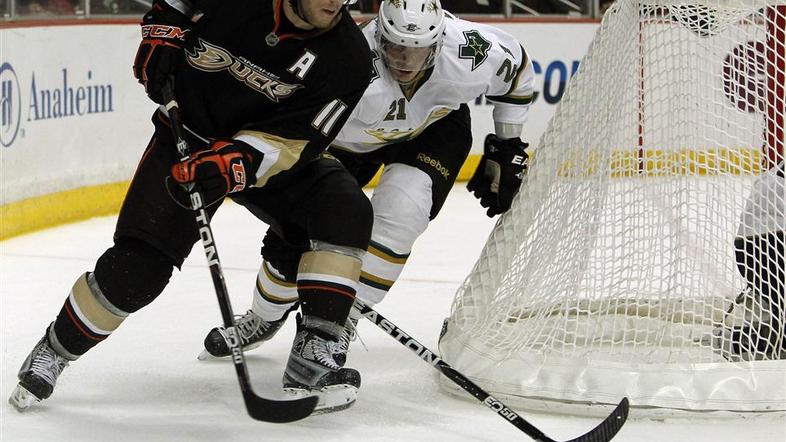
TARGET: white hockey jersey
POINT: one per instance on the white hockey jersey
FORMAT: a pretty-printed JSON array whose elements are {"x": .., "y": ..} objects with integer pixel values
[{"x": 476, "y": 59}]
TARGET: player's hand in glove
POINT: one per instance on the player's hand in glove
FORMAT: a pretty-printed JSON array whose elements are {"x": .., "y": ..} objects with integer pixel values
[
  {"x": 500, "y": 171},
  {"x": 164, "y": 33},
  {"x": 226, "y": 167}
]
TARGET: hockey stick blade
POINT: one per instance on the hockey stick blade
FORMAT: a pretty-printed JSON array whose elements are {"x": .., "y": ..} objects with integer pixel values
[
  {"x": 275, "y": 411},
  {"x": 263, "y": 409},
  {"x": 259, "y": 408},
  {"x": 610, "y": 426},
  {"x": 278, "y": 412},
  {"x": 604, "y": 432}
]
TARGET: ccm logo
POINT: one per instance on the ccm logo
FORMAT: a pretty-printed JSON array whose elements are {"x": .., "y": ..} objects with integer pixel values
[{"x": 163, "y": 31}]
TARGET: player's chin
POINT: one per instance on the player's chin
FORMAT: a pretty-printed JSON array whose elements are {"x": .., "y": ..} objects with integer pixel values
[
  {"x": 403, "y": 75},
  {"x": 321, "y": 18},
  {"x": 326, "y": 16}
]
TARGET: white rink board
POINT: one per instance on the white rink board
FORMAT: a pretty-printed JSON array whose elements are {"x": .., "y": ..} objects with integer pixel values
[
  {"x": 65, "y": 145},
  {"x": 76, "y": 115}
]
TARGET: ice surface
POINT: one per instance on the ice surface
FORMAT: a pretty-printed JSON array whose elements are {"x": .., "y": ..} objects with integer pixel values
[{"x": 145, "y": 383}]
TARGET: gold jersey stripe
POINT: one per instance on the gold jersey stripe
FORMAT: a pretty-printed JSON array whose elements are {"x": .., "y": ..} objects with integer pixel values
[
  {"x": 273, "y": 298},
  {"x": 386, "y": 257},
  {"x": 376, "y": 281},
  {"x": 289, "y": 152}
]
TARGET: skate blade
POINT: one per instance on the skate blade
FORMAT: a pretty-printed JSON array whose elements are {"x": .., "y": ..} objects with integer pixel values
[
  {"x": 22, "y": 399},
  {"x": 331, "y": 399},
  {"x": 205, "y": 356}
]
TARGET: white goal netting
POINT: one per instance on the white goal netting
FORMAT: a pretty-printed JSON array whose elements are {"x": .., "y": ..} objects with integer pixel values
[{"x": 643, "y": 256}]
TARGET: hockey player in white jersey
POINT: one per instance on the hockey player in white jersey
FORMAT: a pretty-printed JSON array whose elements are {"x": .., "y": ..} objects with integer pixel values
[{"x": 413, "y": 120}]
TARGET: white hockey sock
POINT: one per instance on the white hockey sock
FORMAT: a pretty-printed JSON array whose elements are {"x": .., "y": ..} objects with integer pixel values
[{"x": 273, "y": 295}]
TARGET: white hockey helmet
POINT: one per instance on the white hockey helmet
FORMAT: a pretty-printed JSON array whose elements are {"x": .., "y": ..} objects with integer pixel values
[{"x": 409, "y": 33}]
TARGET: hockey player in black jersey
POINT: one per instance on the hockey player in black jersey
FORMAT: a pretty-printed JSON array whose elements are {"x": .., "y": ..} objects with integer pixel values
[
  {"x": 413, "y": 120},
  {"x": 263, "y": 88}
]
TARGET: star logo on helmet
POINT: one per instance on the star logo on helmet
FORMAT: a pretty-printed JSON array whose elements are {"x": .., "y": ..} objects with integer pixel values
[
  {"x": 432, "y": 6},
  {"x": 412, "y": 27}
]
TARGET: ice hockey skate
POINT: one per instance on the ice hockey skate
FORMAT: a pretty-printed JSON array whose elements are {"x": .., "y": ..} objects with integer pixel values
[
  {"x": 253, "y": 331},
  {"x": 312, "y": 369},
  {"x": 38, "y": 375},
  {"x": 348, "y": 336}
]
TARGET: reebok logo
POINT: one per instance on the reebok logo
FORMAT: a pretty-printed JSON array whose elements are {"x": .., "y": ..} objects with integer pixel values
[{"x": 433, "y": 163}]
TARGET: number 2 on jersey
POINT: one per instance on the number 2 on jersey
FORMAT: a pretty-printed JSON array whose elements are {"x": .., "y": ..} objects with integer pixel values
[{"x": 509, "y": 68}]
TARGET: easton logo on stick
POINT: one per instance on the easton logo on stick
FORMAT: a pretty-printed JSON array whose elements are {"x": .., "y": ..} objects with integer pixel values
[{"x": 402, "y": 337}]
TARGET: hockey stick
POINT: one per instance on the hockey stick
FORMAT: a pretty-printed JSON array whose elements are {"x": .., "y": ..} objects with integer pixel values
[
  {"x": 259, "y": 408},
  {"x": 605, "y": 431}
]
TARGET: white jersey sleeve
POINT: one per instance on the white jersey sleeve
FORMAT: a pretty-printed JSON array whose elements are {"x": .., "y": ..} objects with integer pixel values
[{"x": 508, "y": 67}]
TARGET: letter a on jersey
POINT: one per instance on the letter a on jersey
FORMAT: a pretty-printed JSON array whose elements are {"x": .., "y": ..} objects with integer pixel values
[
  {"x": 476, "y": 48},
  {"x": 303, "y": 64}
]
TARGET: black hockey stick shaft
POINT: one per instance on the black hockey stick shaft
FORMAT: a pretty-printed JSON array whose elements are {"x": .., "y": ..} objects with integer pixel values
[
  {"x": 605, "y": 431},
  {"x": 259, "y": 408}
]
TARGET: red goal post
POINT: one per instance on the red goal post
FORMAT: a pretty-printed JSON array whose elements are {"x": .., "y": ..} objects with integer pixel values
[{"x": 776, "y": 84}]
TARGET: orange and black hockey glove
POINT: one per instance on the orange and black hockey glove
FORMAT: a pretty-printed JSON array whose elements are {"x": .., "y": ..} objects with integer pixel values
[
  {"x": 164, "y": 33},
  {"x": 499, "y": 174},
  {"x": 226, "y": 167}
]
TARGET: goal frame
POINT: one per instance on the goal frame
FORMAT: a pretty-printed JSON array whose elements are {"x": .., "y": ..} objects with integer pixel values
[{"x": 578, "y": 385}]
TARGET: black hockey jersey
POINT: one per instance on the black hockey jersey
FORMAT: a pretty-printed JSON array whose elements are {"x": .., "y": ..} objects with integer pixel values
[{"x": 249, "y": 74}]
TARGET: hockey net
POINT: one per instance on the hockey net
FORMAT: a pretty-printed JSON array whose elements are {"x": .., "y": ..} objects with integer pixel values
[{"x": 615, "y": 273}]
